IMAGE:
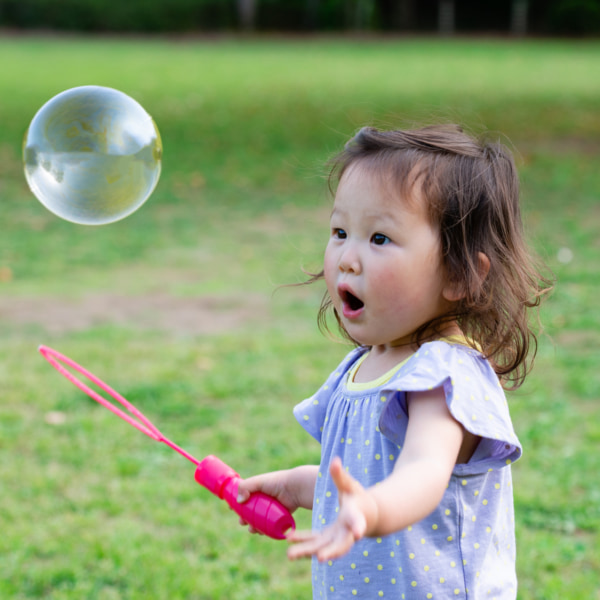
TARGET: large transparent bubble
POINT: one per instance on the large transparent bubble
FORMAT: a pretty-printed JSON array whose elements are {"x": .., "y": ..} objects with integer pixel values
[{"x": 92, "y": 155}]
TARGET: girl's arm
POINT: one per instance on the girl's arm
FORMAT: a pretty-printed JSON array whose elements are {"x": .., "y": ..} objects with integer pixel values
[
  {"x": 294, "y": 488},
  {"x": 413, "y": 490}
]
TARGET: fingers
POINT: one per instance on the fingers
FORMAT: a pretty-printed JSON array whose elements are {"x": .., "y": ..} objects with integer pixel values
[
  {"x": 246, "y": 488},
  {"x": 327, "y": 545}
]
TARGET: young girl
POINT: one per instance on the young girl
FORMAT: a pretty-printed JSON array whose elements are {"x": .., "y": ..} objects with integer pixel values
[{"x": 428, "y": 274}]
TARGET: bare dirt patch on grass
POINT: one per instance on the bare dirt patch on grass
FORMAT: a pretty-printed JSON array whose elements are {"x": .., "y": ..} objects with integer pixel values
[{"x": 150, "y": 311}]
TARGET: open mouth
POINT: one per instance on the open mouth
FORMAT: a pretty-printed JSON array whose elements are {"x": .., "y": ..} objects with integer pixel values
[{"x": 352, "y": 304}]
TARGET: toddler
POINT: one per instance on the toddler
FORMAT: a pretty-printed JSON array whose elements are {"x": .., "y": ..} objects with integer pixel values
[{"x": 429, "y": 276}]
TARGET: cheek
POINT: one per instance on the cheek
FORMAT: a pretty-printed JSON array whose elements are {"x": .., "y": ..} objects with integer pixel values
[{"x": 329, "y": 267}]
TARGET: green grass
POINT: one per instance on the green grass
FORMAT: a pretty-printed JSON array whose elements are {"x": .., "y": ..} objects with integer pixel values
[{"x": 92, "y": 509}]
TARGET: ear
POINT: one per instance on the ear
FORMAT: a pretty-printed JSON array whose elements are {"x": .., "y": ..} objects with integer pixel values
[{"x": 455, "y": 291}]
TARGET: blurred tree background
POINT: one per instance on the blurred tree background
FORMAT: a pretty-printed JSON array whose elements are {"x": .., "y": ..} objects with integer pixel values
[{"x": 514, "y": 17}]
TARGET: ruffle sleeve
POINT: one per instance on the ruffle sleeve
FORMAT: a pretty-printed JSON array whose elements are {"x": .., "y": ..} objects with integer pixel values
[
  {"x": 474, "y": 397},
  {"x": 312, "y": 412}
]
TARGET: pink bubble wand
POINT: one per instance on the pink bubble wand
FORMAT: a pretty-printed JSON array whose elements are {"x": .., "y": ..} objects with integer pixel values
[{"x": 263, "y": 512}]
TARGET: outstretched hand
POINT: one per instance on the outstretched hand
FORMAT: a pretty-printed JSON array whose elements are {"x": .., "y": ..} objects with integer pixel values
[{"x": 357, "y": 511}]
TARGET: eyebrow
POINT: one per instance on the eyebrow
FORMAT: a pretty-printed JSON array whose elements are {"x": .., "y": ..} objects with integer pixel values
[{"x": 375, "y": 215}]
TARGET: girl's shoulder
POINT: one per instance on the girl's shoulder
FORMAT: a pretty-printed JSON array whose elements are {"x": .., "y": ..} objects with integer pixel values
[
  {"x": 449, "y": 357},
  {"x": 459, "y": 369},
  {"x": 472, "y": 390}
]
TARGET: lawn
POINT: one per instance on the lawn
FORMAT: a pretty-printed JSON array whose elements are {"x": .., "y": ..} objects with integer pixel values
[{"x": 180, "y": 306}]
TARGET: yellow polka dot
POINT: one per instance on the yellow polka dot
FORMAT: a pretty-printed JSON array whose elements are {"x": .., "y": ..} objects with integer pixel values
[
  {"x": 473, "y": 518},
  {"x": 367, "y": 442},
  {"x": 391, "y": 457},
  {"x": 476, "y": 493},
  {"x": 379, "y": 540},
  {"x": 354, "y": 592},
  {"x": 328, "y": 494},
  {"x": 332, "y": 589},
  {"x": 413, "y": 583},
  {"x": 383, "y": 398},
  {"x": 442, "y": 580},
  {"x": 380, "y": 567},
  {"x": 434, "y": 527},
  {"x": 342, "y": 441},
  {"x": 353, "y": 566},
  {"x": 430, "y": 595},
  {"x": 377, "y": 456},
  {"x": 341, "y": 578},
  {"x": 447, "y": 511},
  {"x": 437, "y": 552},
  {"x": 411, "y": 556},
  {"x": 380, "y": 593},
  {"x": 426, "y": 568},
  {"x": 508, "y": 461},
  {"x": 359, "y": 456},
  {"x": 349, "y": 441},
  {"x": 366, "y": 553},
  {"x": 484, "y": 502},
  {"x": 449, "y": 538},
  {"x": 497, "y": 486},
  {"x": 476, "y": 546},
  {"x": 367, "y": 580},
  {"x": 453, "y": 564},
  {"x": 456, "y": 592},
  {"x": 393, "y": 581},
  {"x": 488, "y": 530},
  {"x": 464, "y": 482},
  {"x": 409, "y": 528},
  {"x": 330, "y": 563},
  {"x": 392, "y": 554},
  {"x": 306, "y": 417}
]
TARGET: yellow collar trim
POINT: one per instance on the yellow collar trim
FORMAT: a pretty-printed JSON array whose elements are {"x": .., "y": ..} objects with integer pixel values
[{"x": 382, "y": 379}]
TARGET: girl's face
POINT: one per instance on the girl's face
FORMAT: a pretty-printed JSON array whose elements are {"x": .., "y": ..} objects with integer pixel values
[{"x": 383, "y": 261}]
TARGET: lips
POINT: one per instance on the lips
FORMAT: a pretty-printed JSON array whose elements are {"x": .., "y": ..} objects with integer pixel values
[{"x": 352, "y": 305}]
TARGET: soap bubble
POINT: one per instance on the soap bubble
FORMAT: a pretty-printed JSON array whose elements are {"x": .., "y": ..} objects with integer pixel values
[{"x": 92, "y": 155}]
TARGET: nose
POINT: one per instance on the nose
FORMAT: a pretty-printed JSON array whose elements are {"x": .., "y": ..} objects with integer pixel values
[{"x": 349, "y": 261}]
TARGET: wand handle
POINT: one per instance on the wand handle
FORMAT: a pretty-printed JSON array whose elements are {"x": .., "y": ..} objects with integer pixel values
[{"x": 264, "y": 513}]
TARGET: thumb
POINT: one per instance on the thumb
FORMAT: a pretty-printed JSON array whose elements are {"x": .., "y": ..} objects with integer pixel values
[
  {"x": 343, "y": 481},
  {"x": 243, "y": 493},
  {"x": 246, "y": 487}
]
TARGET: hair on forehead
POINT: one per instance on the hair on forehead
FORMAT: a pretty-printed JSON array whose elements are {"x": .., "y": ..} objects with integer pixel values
[{"x": 424, "y": 156}]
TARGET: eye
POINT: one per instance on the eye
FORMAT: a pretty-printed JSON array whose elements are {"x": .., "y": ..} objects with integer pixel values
[
  {"x": 379, "y": 239},
  {"x": 338, "y": 233}
]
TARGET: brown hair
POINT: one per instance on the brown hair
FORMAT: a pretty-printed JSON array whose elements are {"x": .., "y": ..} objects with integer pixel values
[{"x": 472, "y": 190}]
